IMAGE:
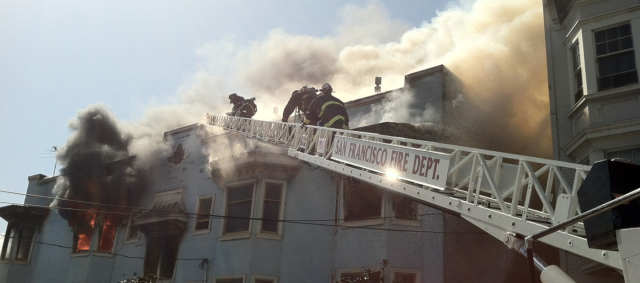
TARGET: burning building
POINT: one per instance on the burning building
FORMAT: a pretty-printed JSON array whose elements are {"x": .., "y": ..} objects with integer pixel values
[{"x": 220, "y": 208}]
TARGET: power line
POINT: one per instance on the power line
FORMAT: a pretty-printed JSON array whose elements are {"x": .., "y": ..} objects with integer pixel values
[
  {"x": 191, "y": 215},
  {"x": 303, "y": 222}
]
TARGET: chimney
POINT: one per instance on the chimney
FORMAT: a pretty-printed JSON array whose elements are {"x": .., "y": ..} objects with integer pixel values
[{"x": 378, "y": 82}]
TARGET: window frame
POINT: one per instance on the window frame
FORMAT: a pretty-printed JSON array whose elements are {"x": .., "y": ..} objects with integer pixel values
[
  {"x": 196, "y": 220},
  {"x": 597, "y": 57},
  {"x": 127, "y": 234},
  {"x": 393, "y": 272},
  {"x": 19, "y": 239},
  {"x": 278, "y": 234},
  {"x": 7, "y": 244},
  {"x": 264, "y": 277},
  {"x": 577, "y": 80},
  {"x": 405, "y": 222},
  {"x": 98, "y": 231},
  {"x": 241, "y": 234},
  {"x": 161, "y": 255},
  {"x": 360, "y": 223}
]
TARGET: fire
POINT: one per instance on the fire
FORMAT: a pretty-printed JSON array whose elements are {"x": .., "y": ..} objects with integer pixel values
[{"x": 84, "y": 230}]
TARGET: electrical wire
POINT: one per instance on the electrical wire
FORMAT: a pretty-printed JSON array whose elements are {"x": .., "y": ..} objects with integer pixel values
[
  {"x": 190, "y": 214},
  {"x": 115, "y": 254},
  {"x": 304, "y": 222}
]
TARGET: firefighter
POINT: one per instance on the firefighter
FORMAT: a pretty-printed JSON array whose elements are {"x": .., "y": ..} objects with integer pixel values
[
  {"x": 328, "y": 110},
  {"x": 244, "y": 108},
  {"x": 299, "y": 99}
]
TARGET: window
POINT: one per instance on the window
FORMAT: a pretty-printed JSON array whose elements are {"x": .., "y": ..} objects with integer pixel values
[
  {"x": 204, "y": 208},
  {"x": 362, "y": 202},
  {"x": 230, "y": 279},
  {"x": 133, "y": 231},
  {"x": 632, "y": 155},
  {"x": 82, "y": 237},
  {"x": 238, "y": 208},
  {"x": 22, "y": 237},
  {"x": 405, "y": 211},
  {"x": 615, "y": 57},
  {"x": 405, "y": 275},
  {"x": 107, "y": 226},
  {"x": 272, "y": 208},
  {"x": 161, "y": 255},
  {"x": 577, "y": 72},
  {"x": 359, "y": 275},
  {"x": 6, "y": 245},
  {"x": 25, "y": 242},
  {"x": 264, "y": 279}
]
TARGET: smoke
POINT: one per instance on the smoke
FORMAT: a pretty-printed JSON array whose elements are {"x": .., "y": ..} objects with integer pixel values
[
  {"x": 397, "y": 107},
  {"x": 495, "y": 47}
]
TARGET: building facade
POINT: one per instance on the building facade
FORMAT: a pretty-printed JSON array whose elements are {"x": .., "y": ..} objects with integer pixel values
[{"x": 593, "y": 91}]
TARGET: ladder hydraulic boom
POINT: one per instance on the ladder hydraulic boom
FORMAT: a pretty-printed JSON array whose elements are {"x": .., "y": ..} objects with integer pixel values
[{"x": 503, "y": 194}]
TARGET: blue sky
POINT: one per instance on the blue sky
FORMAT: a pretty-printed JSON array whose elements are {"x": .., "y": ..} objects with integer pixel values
[{"x": 58, "y": 57}]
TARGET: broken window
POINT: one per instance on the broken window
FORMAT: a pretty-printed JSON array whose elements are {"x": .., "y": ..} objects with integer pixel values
[
  {"x": 82, "y": 225},
  {"x": 405, "y": 208},
  {"x": 203, "y": 220},
  {"x": 362, "y": 201},
  {"x": 82, "y": 238},
  {"x": 238, "y": 207},
  {"x": 272, "y": 207},
  {"x": 161, "y": 255},
  {"x": 107, "y": 225}
]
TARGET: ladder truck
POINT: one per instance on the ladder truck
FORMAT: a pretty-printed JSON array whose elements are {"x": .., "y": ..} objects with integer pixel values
[{"x": 491, "y": 190}]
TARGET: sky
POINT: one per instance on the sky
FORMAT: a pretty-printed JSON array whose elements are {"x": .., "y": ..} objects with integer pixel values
[{"x": 159, "y": 65}]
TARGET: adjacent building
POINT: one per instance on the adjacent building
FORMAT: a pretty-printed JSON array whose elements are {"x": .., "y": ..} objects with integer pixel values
[{"x": 593, "y": 90}]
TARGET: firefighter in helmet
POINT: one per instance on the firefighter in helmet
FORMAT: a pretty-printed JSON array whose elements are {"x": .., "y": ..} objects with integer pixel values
[
  {"x": 242, "y": 107},
  {"x": 300, "y": 99},
  {"x": 328, "y": 110}
]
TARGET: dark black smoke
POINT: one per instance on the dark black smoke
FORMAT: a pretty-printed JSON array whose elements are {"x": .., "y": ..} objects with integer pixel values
[{"x": 98, "y": 167}]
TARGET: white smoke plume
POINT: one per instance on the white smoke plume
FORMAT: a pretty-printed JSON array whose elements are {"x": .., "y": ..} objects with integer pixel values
[
  {"x": 496, "y": 47},
  {"x": 397, "y": 107}
]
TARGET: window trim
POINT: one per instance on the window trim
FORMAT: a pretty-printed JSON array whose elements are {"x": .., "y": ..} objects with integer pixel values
[
  {"x": 243, "y": 277},
  {"x": 127, "y": 239},
  {"x": 98, "y": 234},
  {"x": 598, "y": 57},
  {"x": 242, "y": 234},
  {"x": 7, "y": 244},
  {"x": 403, "y": 270},
  {"x": 278, "y": 234},
  {"x": 264, "y": 277},
  {"x": 576, "y": 73},
  {"x": 195, "y": 222},
  {"x": 360, "y": 223}
]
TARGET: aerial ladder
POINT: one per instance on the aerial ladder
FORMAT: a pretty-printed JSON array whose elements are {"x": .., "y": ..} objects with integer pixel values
[{"x": 492, "y": 190}]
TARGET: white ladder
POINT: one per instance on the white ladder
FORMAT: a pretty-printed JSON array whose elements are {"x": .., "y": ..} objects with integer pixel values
[{"x": 492, "y": 190}]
